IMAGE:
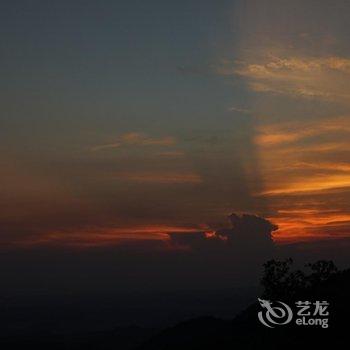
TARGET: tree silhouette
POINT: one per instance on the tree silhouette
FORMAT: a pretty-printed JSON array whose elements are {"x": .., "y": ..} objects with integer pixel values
[{"x": 281, "y": 282}]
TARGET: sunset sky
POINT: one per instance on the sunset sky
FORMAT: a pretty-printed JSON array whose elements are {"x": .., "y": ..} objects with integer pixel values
[{"x": 128, "y": 120}]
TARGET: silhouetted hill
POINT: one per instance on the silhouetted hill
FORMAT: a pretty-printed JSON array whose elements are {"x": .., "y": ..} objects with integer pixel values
[
  {"x": 246, "y": 332},
  {"x": 191, "y": 334},
  {"x": 243, "y": 332},
  {"x": 123, "y": 338}
]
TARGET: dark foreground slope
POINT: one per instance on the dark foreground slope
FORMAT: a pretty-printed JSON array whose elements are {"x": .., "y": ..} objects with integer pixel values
[
  {"x": 122, "y": 338},
  {"x": 243, "y": 332},
  {"x": 246, "y": 332}
]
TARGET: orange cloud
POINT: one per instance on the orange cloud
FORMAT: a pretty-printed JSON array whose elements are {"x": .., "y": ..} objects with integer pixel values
[
  {"x": 136, "y": 139},
  {"x": 311, "y": 184},
  {"x": 332, "y": 166},
  {"x": 160, "y": 177},
  {"x": 301, "y": 160},
  {"x": 276, "y": 134},
  {"x": 295, "y": 156},
  {"x": 309, "y": 224},
  {"x": 297, "y": 76},
  {"x": 94, "y": 237}
]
